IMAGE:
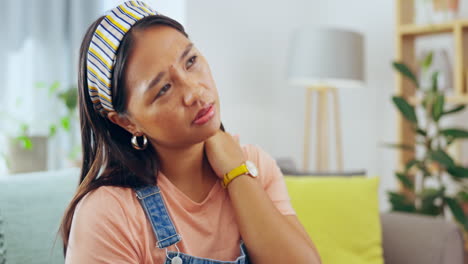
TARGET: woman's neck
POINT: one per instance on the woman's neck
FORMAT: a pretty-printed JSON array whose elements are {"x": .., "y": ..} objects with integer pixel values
[{"x": 188, "y": 169}]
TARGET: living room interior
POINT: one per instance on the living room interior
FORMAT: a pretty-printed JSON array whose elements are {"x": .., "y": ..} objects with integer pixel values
[{"x": 361, "y": 103}]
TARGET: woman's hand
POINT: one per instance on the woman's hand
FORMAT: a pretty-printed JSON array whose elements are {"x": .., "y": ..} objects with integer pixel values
[{"x": 224, "y": 152}]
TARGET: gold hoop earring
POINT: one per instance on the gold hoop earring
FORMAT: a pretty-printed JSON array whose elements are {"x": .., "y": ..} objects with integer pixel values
[{"x": 136, "y": 145}]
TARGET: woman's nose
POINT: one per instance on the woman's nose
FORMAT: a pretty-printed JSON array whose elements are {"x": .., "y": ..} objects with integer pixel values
[{"x": 192, "y": 93}]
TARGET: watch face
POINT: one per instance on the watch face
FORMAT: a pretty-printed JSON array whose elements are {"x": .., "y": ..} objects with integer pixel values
[{"x": 252, "y": 168}]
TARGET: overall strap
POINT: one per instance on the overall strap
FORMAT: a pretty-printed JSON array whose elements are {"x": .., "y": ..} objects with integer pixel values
[{"x": 152, "y": 202}]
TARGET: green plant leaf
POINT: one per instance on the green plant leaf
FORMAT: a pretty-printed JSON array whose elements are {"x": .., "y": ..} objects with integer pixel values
[
  {"x": 428, "y": 201},
  {"x": 462, "y": 196},
  {"x": 65, "y": 121},
  {"x": 40, "y": 85},
  {"x": 399, "y": 146},
  {"x": 432, "y": 193},
  {"x": 426, "y": 99},
  {"x": 421, "y": 132},
  {"x": 24, "y": 128},
  {"x": 450, "y": 140},
  {"x": 405, "y": 180},
  {"x": 427, "y": 62},
  {"x": 429, "y": 206},
  {"x": 442, "y": 158},
  {"x": 52, "y": 130},
  {"x": 458, "y": 172},
  {"x": 403, "y": 69},
  {"x": 422, "y": 167},
  {"x": 25, "y": 142},
  {"x": 410, "y": 164},
  {"x": 54, "y": 87},
  {"x": 454, "y": 133},
  {"x": 438, "y": 107},
  {"x": 435, "y": 83},
  {"x": 405, "y": 108},
  {"x": 455, "y": 109},
  {"x": 70, "y": 98},
  {"x": 457, "y": 211},
  {"x": 400, "y": 203}
]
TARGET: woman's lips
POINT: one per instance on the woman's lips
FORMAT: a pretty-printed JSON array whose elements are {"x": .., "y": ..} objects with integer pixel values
[{"x": 204, "y": 115}]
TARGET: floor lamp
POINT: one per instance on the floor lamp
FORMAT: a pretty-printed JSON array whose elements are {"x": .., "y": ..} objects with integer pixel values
[{"x": 323, "y": 60}]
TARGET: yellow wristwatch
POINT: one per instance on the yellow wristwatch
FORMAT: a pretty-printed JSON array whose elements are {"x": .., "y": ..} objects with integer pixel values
[{"x": 247, "y": 168}]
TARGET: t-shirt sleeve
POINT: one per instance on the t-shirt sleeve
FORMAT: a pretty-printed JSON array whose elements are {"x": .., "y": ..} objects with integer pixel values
[
  {"x": 99, "y": 231},
  {"x": 271, "y": 178}
]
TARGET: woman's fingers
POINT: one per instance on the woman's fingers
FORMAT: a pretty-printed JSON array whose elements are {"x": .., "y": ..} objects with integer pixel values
[{"x": 224, "y": 152}]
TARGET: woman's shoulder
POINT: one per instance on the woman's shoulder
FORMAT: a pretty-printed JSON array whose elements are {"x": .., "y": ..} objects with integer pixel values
[
  {"x": 107, "y": 194},
  {"x": 107, "y": 202},
  {"x": 106, "y": 224}
]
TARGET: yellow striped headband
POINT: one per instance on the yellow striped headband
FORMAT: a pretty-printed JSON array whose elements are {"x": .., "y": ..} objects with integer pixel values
[{"x": 103, "y": 49}]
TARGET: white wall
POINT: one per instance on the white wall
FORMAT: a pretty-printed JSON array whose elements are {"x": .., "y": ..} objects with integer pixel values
[
  {"x": 246, "y": 43},
  {"x": 175, "y": 9}
]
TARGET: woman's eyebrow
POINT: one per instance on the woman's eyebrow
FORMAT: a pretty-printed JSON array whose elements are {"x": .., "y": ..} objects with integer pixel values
[
  {"x": 186, "y": 51},
  {"x": 161, "y": 74}
]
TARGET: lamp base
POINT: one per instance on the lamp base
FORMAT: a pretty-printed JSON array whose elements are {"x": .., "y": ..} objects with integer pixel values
[{"x": 322, "y": 93}]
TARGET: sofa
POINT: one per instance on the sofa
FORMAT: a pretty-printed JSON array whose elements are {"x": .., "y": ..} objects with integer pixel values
[{"x": 31, "y": 206}]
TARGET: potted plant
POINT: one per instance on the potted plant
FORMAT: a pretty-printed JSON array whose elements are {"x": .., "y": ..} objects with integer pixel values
[
  {"x": 25, "y": 151},
  {"x": 28, "y": 152},
  {"x": 425, "y": 177}
]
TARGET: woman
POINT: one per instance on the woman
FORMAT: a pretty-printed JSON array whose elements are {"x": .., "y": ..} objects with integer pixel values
[{"x": 161, "y": 181}]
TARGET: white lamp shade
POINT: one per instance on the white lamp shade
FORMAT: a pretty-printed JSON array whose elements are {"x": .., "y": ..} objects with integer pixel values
[{"x": 326, "y": 56}]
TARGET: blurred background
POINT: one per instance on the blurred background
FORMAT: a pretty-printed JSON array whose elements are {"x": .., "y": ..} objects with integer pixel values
[
  {"x": 311, "y": 82},
  {"x": 248, "y": 45}
]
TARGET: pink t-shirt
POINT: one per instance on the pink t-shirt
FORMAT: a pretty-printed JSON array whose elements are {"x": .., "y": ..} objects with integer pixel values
[{"x": 110, "y": 226}]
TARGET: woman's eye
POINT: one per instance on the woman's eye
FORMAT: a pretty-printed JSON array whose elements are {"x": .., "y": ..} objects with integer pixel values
[
  {"x": 163, "y": 90},
  {"x": 191, "y": 61},
  {"x": 166, "y": 87}
]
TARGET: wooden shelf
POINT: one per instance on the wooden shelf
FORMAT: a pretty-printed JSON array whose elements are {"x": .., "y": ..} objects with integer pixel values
[
  {"x": 418, "y": 30},
  {"x": 431, "y": 29},
  {"x": 407, "y": 33},
  {"x": 458, "y": 99}
]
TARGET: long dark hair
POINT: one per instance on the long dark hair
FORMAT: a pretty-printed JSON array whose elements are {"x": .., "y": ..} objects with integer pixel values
[{"x": 108, "y": 157}]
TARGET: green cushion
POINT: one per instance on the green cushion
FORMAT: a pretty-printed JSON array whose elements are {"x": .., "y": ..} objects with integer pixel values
[{"x": 32, "y": 206}]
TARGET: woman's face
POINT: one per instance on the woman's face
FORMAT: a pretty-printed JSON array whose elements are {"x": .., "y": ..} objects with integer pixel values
[{"x": 168, "y": 82}]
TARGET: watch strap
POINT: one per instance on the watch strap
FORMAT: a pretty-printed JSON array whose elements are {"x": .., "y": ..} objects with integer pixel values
[{"x": 236, "y": 172}]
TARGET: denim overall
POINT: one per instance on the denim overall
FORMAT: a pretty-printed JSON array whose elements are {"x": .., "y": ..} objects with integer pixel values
[{"x": 166, "y": 235}]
